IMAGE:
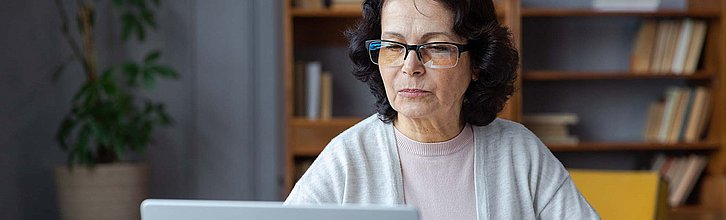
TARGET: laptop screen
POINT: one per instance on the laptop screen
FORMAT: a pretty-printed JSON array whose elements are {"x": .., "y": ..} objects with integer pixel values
[{"x": 159, "y": 209}]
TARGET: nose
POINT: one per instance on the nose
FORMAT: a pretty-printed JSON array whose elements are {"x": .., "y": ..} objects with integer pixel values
[{"x": 412, "y": 65}]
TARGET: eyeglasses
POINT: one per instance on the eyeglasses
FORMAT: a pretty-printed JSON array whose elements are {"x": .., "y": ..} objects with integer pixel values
[{"x": 437, "y": 55}]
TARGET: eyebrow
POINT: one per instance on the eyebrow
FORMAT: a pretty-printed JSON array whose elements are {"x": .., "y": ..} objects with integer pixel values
[{"x": 424, "y": 37}]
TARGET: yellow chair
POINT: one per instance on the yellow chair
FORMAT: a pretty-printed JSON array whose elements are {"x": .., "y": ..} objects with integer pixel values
[{"x": 623, "y": 195}]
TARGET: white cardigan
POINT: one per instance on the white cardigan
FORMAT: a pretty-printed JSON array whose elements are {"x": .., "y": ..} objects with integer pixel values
[{"x": 515, "y": 175}]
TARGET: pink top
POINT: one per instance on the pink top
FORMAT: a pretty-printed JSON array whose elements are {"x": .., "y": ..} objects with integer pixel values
[{"x": 438, "y": 178}]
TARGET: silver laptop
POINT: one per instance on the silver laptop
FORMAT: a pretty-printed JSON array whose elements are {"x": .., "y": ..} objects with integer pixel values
[{"x": 163, "y": 209}]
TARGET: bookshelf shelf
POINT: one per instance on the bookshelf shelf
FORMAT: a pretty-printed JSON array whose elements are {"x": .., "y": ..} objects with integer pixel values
[
  {"x": 546, "y": 75},
  {"x": 326, "y": 12},
  {"x": 339, "y": 12},
  {"x": 588, "y": 12},
  {"x": 631, "y": 146},
  {"x": 335, "y": 122},
  {"x": 695, "y": 213}
]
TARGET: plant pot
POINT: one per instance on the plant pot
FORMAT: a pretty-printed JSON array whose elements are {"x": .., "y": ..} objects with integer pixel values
[{"x": 106, "y": 191}]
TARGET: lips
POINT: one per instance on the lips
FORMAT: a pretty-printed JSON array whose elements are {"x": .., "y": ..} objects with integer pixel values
[{"x": 413, "y": 93}]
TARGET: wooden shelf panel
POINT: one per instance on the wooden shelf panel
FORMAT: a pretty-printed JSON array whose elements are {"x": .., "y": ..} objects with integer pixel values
[
  {"x": 325, "y": 12},
  {"x": 589, "y": 12},
  {"x": 695, "y": 213},
  {"x": 585, "y": 75},
  {"x": 630, "y": 146},
  {"x": 336, "y": 122},
  {"x": 338, "y": 12},
  {"x": 309, "y": 137}
]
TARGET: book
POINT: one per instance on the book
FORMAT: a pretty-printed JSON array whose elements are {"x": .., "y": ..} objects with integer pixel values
[
  {"x": 677, "y": 120},
  {"x": 659, "y": 48},
  {"x": 300, "y": 90},
  {"x": 670, "y": 45},
  {"x": 684, "y": 40},
  {"x": 644, "y": 45},
  {"x": 563, "y": 140},
  {"x": 313, "y": 72},
  {"x": 695, "y": 47},
  {"x": 326, "y": 96},
  {"x": 671, "y": 102},
  {"x": 684, "y": 119},
  {"x": 691, "y": 170},
  {"x": 550, "y": 118},
  {"x": 704, "y": 114},
  {"x": 553, "y": 130},
  {"x": 653, "y": 121},
  {"x": 697, "y": 109}
]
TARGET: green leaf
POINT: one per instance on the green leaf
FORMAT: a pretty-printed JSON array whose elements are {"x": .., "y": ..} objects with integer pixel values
[
  {"x": 140, "y": 33},
  {"x": 85, "y": 89},
  {"x": 132, "y": 71},
  {"x": 98, "y": 132},
  {"x": 148, "y": 79},
  {"x": 127, "y": 22},
  {"x": 107, "y": 82},
  {"x": 118, "y": 2},
  {"x": 64, "y": 131},
  {"x": 152, "y": 57},
  {"x": 148, "y": 17},
  {"x": 82, "y": 145},
  {"x": 165, "y": 71}
]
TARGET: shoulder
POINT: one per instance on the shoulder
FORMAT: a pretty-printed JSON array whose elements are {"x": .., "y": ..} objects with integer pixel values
[
  {"x": 370, "y": 132},
  {"x": 506, "y": 131}
]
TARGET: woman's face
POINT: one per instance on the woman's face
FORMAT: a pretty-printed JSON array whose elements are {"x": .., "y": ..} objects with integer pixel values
[{"x": 416, "y": 91}]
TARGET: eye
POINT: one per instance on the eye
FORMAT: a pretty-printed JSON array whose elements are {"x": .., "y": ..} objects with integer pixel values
[
  {"x": 439, "y": 48},
  {"x": 392, "y": 48}
]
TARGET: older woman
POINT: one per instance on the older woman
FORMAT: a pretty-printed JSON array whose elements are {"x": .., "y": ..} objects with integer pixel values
[{"x": 441, "y": 71}]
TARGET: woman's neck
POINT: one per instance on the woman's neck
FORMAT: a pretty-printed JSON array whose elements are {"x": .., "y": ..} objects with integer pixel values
[{"x": 428, "y": 130}]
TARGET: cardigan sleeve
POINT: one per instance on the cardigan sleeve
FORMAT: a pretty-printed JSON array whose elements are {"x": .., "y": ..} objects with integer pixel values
[
  {"x": 322, "y": 183},
  {"x": 567, "y": 203}
]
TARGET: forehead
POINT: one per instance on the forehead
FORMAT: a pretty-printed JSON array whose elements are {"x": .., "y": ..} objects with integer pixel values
[{"x": 415, "y": 17}]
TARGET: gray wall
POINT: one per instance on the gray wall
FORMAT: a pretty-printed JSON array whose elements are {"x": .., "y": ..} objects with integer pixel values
[{"x": 224, "y": 143}]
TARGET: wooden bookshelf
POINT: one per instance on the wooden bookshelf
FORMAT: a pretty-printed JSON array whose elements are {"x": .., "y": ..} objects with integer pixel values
[
  {"x": 622, "y": 75},
  {"x": 588, "y": 12},
  {"x": 711, "y": 71},
  {"x": 305, "y": 138}
]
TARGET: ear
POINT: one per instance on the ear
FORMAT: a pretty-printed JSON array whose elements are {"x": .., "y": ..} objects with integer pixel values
[{"x": 475, "y": 75}]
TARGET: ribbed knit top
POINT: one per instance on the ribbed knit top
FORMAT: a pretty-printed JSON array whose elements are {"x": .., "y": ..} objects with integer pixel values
[{"x": 438, "y": 178}]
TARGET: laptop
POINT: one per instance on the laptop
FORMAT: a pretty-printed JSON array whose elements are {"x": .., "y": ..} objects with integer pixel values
[{"x": 165, "y": 209}]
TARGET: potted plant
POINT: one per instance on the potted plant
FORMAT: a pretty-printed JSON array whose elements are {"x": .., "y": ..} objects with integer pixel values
[{"x": 107, "y": 119}]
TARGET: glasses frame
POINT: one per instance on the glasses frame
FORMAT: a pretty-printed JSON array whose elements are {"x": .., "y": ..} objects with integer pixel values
[{"x": 417, "y": 47}]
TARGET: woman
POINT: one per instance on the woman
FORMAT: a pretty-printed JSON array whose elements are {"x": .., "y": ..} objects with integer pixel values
[{"x": 441, "y": 71}]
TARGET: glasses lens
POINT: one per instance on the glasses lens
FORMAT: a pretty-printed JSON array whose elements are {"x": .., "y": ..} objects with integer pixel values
[
  {"x": 386, "y": 53},
  {"x": 439, "y": 55}
]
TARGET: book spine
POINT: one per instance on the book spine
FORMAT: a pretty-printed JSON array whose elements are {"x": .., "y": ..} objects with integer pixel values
[{"x": 313, "y": 70}]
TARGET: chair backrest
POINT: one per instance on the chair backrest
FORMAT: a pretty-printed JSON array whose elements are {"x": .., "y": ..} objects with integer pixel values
[{"x": 623, "y": 194}]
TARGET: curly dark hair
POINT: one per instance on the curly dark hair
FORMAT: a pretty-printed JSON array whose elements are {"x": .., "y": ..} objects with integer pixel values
[{"x": 492, "y": 55}]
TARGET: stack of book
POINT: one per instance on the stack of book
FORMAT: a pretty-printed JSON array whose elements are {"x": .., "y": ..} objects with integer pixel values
[
  {"x": 669, "y": 46},
  {"x": 552, "y": 128},
  {"x": 681, "y": 173},
  {"x": 681, "y": 117},
  {"x": 313, "y": 91}
]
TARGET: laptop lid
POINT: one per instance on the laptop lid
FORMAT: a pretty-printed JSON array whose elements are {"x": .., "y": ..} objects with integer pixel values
[{"x": 163, "y": 209}]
